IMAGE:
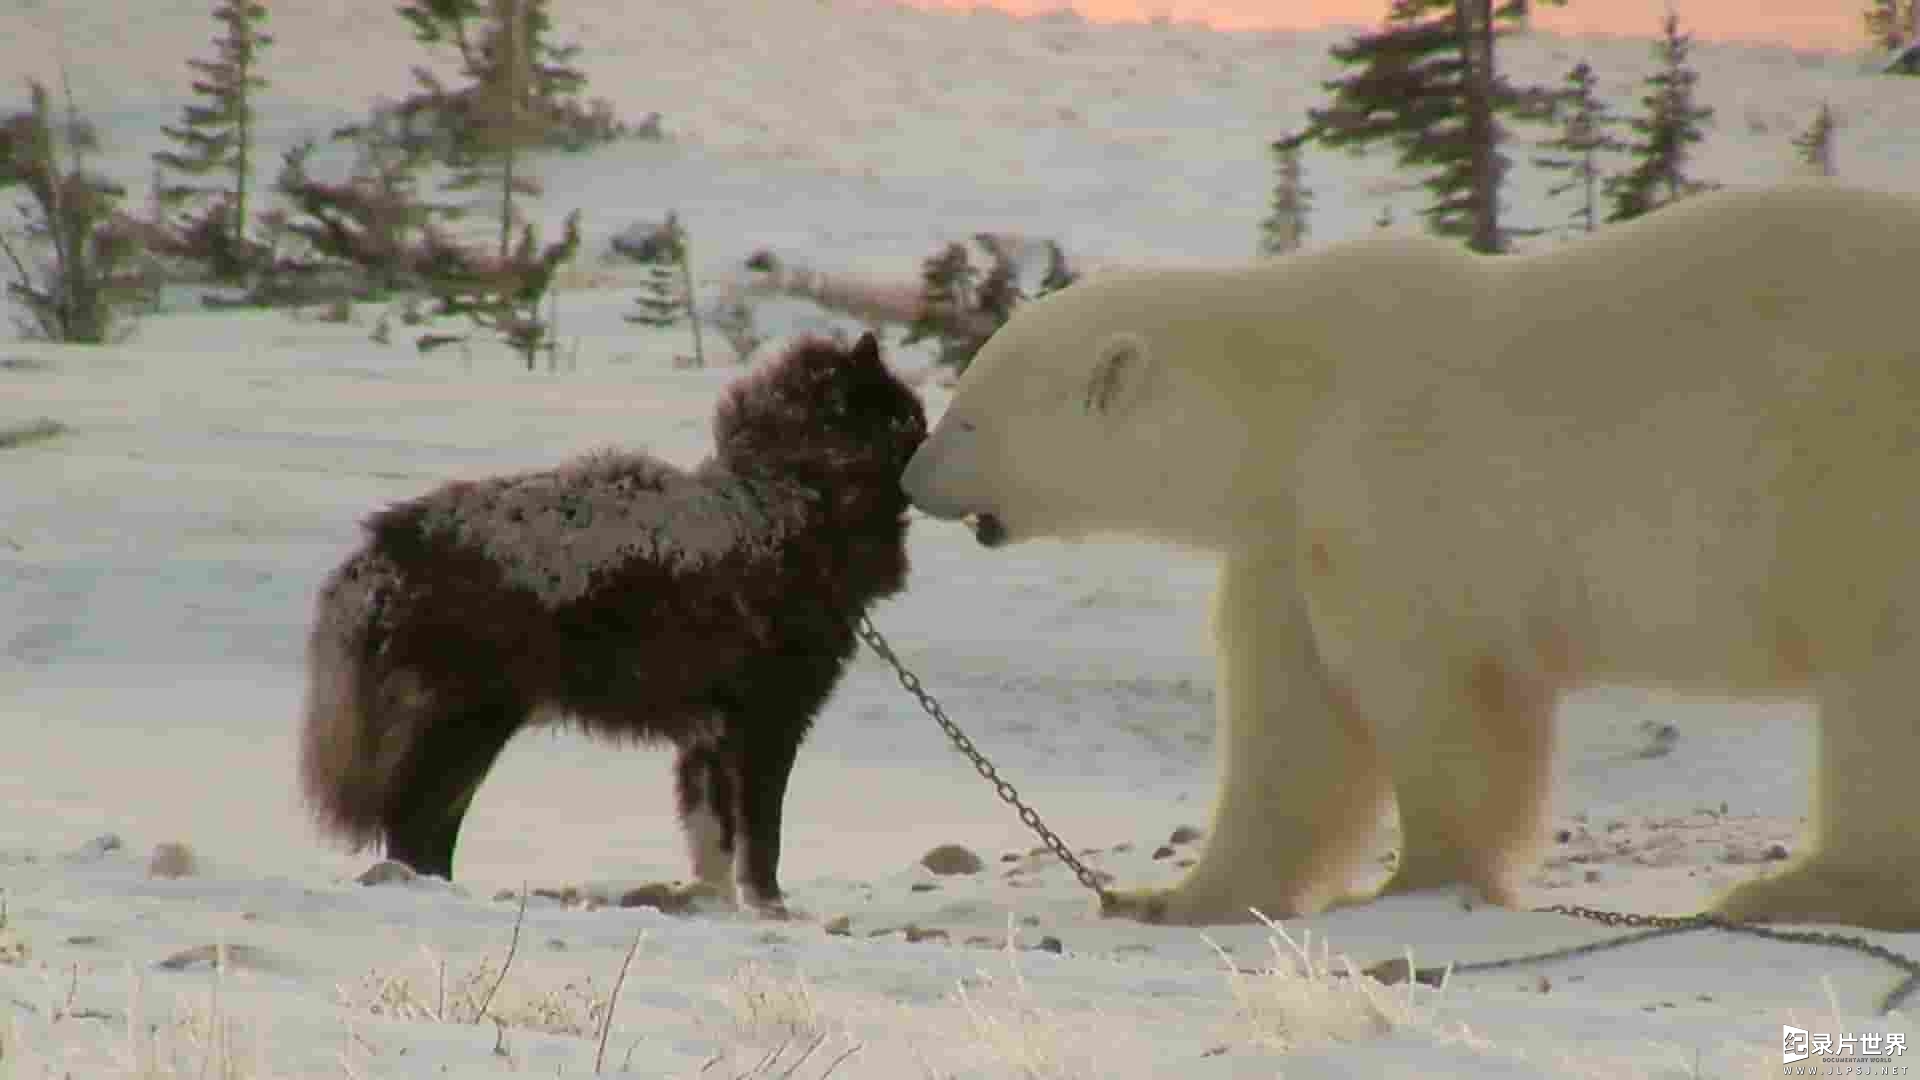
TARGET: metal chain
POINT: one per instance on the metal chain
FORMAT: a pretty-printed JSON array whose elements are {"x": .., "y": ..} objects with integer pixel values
[
  {"x": 865, "y": 629},
  {"x": 1647, "y": 927}
]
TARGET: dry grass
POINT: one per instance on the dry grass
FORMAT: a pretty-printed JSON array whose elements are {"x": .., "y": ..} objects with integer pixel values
[
  {"x": 770, "y": 1009},
  {"x": 437, "y": 991},
  {"x": 14, "y": 436},
  {"x": 1308, "y": 999},
  {"x": 196, "y": 1039}
]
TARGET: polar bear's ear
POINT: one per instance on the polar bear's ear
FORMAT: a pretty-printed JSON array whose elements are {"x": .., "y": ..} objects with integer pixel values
[{"x": 1119, "y": 375}]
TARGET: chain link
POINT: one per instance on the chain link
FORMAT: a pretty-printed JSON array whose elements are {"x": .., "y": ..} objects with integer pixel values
[
  {"x": 1646, "y": 927},
  {"x": 1649, "y": 927},
  {"x": 1028, "y": 817}
]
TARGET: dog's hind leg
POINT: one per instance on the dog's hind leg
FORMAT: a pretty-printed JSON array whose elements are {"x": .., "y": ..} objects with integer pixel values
[
  {"x": 764, "y": 734},
  {"x": 443, "y": 771},
  {"x": 704, "y": 785}
]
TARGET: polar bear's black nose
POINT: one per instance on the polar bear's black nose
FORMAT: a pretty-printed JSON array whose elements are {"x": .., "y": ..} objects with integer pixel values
[{"x": 989, "y": 530}]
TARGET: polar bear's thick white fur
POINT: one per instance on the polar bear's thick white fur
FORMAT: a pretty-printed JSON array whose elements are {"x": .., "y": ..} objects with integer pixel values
[{"x": 1445, "y": 489}]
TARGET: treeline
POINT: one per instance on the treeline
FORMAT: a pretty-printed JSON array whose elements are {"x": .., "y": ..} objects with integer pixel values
[{"x": 1426, "y": 86}]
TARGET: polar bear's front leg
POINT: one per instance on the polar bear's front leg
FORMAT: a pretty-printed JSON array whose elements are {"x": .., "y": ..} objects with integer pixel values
[{"x": 1301, "y": 785}]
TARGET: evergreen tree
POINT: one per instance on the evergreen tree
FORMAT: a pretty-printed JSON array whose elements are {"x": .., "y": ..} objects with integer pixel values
[
  {"x": 375, "y": 220},
  {"x": 1285, "y": 227},
  {"x": 1585, "y": 132},
  {"x": 79, "y": 294},
  {"x": 666, "y": 294},
  {"x": 546, "y": 94},
  {"x": 947, "y": 281},
  {"x": 217, "y": 136},
  {"x": 1670, "y": 125},
  {"x": 1428, "y": 86},
  {"x": 1815, "y": 145},
  {"x": 659, "y": 303},
  {"x": 1891, "y": 24},
  {"x": 501, "y": 126}
]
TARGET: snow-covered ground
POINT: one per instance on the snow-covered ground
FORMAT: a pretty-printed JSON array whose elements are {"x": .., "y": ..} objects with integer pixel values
[{"x": 158, "y": 558}]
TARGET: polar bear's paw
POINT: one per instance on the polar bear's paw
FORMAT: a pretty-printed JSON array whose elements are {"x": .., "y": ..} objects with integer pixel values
[
  {"x": 1812, "y": 893},
  {"x": 1183, "y": 907}
]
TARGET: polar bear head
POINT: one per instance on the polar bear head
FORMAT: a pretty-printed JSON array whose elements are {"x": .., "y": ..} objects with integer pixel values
[{"x": 1097, "y": 409}]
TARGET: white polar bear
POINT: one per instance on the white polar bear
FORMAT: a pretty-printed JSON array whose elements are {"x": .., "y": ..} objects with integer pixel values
[{"x": 1445, "y": 489}]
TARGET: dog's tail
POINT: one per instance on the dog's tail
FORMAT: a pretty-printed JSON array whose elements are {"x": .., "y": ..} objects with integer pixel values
[{"x": 350, "y": 747}]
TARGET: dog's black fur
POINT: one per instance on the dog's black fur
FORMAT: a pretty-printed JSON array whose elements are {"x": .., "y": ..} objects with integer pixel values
[{"x": 710, "y": 608}]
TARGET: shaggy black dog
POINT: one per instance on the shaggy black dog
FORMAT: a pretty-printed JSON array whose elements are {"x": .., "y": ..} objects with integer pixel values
[{"x": 711, "y": 608}]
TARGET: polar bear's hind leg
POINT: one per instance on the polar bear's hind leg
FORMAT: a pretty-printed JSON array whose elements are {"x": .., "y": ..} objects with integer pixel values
[
  {"x": 1861, "y": 866},
  {"x": 1471, "y": 751}
]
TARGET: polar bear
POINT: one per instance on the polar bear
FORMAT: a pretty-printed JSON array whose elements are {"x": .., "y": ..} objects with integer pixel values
[{"x": 1445, "y": 489}]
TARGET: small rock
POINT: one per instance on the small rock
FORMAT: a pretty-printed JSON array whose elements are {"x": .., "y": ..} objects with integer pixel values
[
  {"x": 1011, "y": 856},
  {"x": 1029, "y": 920},
  {"x": 839, "y": 926},
  {"x": 172, "y": 860},
  {"x": 231, "y": 957},
  {"x": 1776, "y": 852},
  {"x": 505, "y": 894},
  {"x": 1121, "y": 848},
  {"x": 387, "y": 872},
  {"x": 98, "y": 847},
  {"x": 1183, "y": 863},
  {"x": 1543, "y": 985},
  {"x": 923, "y": 886},
  {"x": 84, "y": 939},
  {"x": 1389, "y": 972},
  {"x": 949, "y": 859},
  {"x": 1592, "y": 876},
  {"x": 1563, "y": 836},
  {"x": 1051, "y": 944},
  {"x": 1164, "y": 851},
  {"x": 917, "y": 933},
  {"x": 665, "y": 897},
  {"x": 557, "y": 944},
  {"x": 1185, "y": 834}
]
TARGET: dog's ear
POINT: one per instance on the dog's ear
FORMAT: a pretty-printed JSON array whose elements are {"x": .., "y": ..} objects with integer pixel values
[{"x": 866, "y": 351}]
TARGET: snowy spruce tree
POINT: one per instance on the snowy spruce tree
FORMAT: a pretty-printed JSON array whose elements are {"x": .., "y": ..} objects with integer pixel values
[
  {"x": 666, "y": 293},
  {"x": 549, "y": 94},
  {"x": 659, "y": 304},
  {"x": 947, "y": 281},
  {"x": 1426, "y": 84},
  {"x": 215, "y": 137},
  {"x": 75, "y": 276},
  {"x": 1814, "y": 146},
  {"x": 1285, "y": 226},
  {"x": 1671, "y": 124},
  {"x": 1585, "y": 133}
]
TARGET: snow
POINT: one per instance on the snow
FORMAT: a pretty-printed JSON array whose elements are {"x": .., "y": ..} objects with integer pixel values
[{"x": 162, "y": 538}]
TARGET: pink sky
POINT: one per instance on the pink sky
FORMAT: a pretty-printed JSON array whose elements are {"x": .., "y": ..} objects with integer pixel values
[{"x": 1829, "y": 24}]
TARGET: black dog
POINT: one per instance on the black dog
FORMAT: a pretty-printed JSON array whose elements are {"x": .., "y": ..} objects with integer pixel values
[{"x": 712, "y": 608}]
